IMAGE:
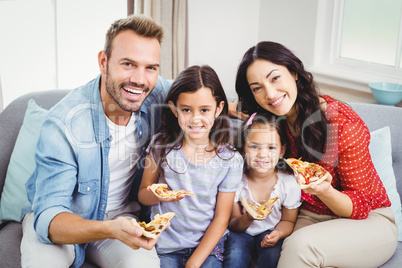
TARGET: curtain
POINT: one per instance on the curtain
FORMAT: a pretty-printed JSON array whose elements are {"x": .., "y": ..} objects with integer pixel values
[
  {"x": 172, "y": 15},
  {"x": 1, "y": 98}
]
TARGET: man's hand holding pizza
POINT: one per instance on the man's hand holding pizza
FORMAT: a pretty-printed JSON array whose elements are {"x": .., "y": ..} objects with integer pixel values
[{"x": 126, "y": 232}]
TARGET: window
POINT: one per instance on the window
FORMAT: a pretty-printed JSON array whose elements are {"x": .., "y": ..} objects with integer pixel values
[
  {"x": 370, "y": 32},
  {"x": 359, "y": 41},
  {"x": 51, "y": 44}
]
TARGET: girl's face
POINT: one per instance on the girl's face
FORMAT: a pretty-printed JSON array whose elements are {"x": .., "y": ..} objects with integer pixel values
[
  {"x": 263, "y": 149},
  {"x": 196, "y": 113},
  {"x": 273, "y": 86}
]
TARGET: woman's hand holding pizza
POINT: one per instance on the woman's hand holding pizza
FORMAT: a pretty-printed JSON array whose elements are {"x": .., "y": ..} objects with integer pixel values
[{"x": 320, "y": 188}]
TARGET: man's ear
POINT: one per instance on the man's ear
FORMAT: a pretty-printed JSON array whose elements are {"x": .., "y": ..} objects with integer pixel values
[
  {"x": 102, "y": 61},
  {"x": 173, "y": 108},
  {"x": 219, "y": 108}
]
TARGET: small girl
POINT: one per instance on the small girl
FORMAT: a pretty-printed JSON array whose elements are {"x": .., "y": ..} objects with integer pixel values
[
  {"x": 191, "y": 152},
  {"x": 262, "y": 144}
]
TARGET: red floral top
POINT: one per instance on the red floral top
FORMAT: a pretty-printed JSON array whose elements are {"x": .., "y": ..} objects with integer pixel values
[{"x": 348, "y": 160}]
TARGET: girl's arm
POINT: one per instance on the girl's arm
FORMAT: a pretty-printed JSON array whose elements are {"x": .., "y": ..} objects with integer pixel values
[
  {"x": 150, "y": 176},
  {"x": 239, "y": 222},
  {"x": 215, "y": 230},
  {"x": 283, "y": 229}
]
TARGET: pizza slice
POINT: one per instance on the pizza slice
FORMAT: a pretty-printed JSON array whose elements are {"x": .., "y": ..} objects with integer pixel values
[
  {"x": 155, "y": 227},
  {"x": 259, "y": 212},
  {"x": 308, "y": 173},
  {"x": 161, "y": 190}
]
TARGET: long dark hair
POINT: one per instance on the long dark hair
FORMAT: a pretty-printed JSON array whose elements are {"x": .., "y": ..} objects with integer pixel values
[
  {"x": 170, "y": 135},
  {"x": 311, "y": 121}
]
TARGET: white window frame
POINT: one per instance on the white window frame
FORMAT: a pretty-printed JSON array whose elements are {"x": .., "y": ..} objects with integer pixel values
[{"x": 329, "y": 69}]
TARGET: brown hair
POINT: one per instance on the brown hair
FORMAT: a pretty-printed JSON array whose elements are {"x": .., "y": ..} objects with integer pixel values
[{"x": 140, "y": 24}]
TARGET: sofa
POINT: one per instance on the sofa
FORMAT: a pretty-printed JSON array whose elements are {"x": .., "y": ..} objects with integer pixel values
[{"x": 375, "y": 116}]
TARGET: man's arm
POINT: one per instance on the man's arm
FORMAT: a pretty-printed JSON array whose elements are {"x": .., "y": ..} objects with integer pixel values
[
  {"x": 234, "y": 113},
  {"x": 69, "y": 228}
]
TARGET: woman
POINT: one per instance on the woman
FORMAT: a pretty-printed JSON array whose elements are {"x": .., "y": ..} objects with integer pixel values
[{"x": 346, "y": 220}]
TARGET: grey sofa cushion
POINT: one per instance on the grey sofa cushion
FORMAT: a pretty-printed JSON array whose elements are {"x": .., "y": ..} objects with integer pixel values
[
  {"x": 10, "y": 239},
  {"x": 378, "y": 116},
  {"x": 11, "y": 120}
]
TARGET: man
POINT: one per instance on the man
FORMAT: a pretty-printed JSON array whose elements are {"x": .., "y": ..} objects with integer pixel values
[{"x": 88, "y": 153}]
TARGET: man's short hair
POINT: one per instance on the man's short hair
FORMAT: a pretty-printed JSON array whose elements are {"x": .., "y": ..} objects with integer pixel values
[{"x": 140, "y": 24}]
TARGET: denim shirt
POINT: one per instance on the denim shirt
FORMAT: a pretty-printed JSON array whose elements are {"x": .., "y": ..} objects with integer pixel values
[{"x": 72, "y": 170}]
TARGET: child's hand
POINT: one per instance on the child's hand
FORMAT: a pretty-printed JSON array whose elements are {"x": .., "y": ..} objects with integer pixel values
[
  {"x": 168, "y": 199},
  {"x": 248, "y": 216},
  {"x": 270, "y": 240}
]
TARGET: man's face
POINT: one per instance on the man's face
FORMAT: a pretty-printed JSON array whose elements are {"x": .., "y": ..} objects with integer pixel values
[{"x": 131, "y": 72}]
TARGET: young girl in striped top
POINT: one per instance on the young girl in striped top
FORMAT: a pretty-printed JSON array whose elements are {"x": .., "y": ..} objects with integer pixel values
[{"x": 191, "y": 152}]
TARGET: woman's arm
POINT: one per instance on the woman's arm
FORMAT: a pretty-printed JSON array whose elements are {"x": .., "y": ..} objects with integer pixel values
[
  {"x": 283, "y": 229},
  {"x": 215, "y": 230},
  {"x": 338, "y": 202},
  {"x": 239, "y": 222}
]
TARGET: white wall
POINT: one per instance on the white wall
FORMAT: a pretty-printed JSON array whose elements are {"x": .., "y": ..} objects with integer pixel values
[
  {"x": 219, "y": 33},
  {"x": 80, "y": 32},
  {"x": 291, "y": 23}
]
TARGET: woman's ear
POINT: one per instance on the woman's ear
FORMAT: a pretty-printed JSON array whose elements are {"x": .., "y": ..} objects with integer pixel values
[
  {"x": 283, "y": 150},
  {"x": 173, "y": 108},
  {"x": 295, "y": 76},
  {"x": 219, "y": 108}
]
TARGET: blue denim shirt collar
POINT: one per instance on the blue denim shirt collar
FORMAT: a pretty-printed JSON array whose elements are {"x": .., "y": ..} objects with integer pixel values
[{"x": 98, "y": 113}]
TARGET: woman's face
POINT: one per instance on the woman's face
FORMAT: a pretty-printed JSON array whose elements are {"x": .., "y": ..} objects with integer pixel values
[{"x": 273, "y": 86}]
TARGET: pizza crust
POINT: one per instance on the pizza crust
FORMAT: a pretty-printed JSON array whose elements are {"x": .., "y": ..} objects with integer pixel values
[
  {"x": 155, "y": 227},
  {"x": 161, "y": 190},
  {"x": 301, "y": 175},
  {"x": 259, "y": 212}
]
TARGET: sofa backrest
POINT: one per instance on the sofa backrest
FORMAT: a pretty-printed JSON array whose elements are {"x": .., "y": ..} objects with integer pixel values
[
  {"x": 379, "y": 116},
  {"x": 11, "y": 120},
  {"x": 375, "y": 116}
]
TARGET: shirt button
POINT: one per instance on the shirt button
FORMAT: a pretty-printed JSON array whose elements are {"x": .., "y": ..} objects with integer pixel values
[
  {"x": 143, "y": 148},
  {"x": 89, "y": 188},
  {"x": 106, "y": 181},
  {"x": 140, "y": 133},
  {"x": 103, "y": 206}
]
